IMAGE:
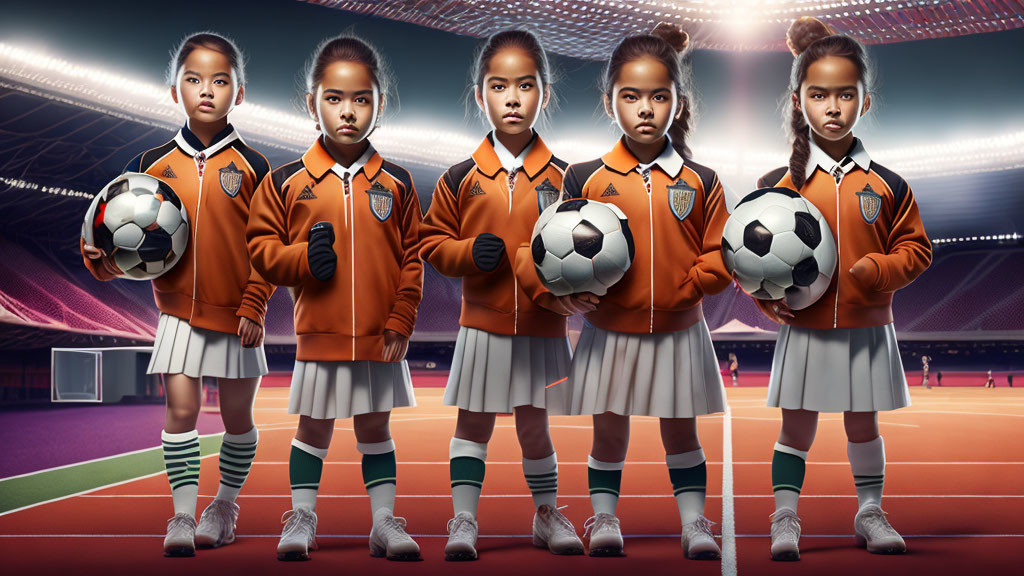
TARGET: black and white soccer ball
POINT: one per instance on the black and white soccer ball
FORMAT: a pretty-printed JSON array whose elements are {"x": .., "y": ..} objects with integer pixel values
[
  {"x": 779, "y": 246},
  {"x": 581, "y": 246},
  {"x": 140, "y": 222}
]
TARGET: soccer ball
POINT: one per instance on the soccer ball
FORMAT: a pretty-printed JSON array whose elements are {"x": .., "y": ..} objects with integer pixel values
[
  {"x": 140, "y": 222},
  {"x": 779, "y": 246},
  {"x": 581, "y": 246}
]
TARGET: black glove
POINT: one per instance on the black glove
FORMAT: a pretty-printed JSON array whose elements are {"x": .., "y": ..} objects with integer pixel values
[
  {"x": 320, "y": 251},
  {"x": 488, "y": 250}
]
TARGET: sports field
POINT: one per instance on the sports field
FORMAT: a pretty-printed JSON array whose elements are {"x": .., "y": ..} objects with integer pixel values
[{"x": 954, "y": 488}]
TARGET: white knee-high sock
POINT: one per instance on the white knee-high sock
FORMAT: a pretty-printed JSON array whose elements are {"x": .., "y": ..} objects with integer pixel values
[
  {"x": 542, "y": 478},
  {"x": 867, "y": 461},
  {"x": 237, "y": 452},
  {"x": 181, "y": 460},
  {"x": 467, "y": 466}
]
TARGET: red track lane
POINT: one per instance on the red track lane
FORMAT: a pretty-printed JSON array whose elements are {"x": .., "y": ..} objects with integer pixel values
[{"x": 981, "y": 431}]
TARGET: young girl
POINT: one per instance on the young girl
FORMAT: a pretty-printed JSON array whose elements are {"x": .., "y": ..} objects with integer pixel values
[
  {"x": 840, "y": 353},
  {"x": 508, "y": 349},
  {"x": 645, "y": 348},
  {"x": 212, "y": 303},
  {"x": 340, "y": 227}
]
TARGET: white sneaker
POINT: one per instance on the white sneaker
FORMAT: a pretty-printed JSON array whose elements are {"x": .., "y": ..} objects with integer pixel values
[
  {"x": 298, "y": 536},
  {"x": 552, "y": 530},
  {"x": 698, "y": 541},
  {"x": 388, "y": 538},
  {"x": 181, "y": 536},
  {"x": 875, "y": 532},
  {"x": 785, "y": 535},
  {"x": 462, "y": 533},
  {"x": 217, "y": 524},
  {"x": 605, "y": 535}
]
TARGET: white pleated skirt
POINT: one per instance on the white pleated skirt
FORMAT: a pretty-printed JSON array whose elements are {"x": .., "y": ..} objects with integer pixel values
[
  {"x": 497, "y": 372},
  {"x": 345, "y": 389},
  {"x": 180, "y": 348},
  {"x": 668, "y": 375},
  {"x": 838, "y": 370}
]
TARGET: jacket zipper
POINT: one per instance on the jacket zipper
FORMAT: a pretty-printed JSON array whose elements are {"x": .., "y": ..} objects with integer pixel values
[
  {"x": 839, "y": 245},
  {"x": 200, "y": 160},
  {"x": 650, "y": 221},
  {"x": 515, "y": 281},
  {"x": 347, "y": 185}
]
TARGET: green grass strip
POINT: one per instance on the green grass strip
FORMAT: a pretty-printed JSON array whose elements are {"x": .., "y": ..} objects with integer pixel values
[{"x": 51, "y": 484}]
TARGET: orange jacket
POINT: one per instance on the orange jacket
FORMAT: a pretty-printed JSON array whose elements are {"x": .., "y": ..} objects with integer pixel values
[
  {"x": 872, "y": 214},
  {"x": 379, "y": 279},
  {"x": 472, "y": 198},
  {"x": 676, "y": 224},
  {"x": 213, "y": 284}
]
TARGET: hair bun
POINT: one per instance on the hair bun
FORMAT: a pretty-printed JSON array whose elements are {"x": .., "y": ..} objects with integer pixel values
[
  {"x": 805, "y": 31},
  {"x": 676, "y": 37}
]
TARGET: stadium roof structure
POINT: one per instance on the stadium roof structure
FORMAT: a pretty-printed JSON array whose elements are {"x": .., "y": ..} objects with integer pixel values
[{"x": 590, "y": 28}]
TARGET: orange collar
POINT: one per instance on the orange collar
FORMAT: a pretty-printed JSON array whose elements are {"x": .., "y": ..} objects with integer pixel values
[
  {"x": 318, "y": 161},
  {"x": 536, "y": 160}
]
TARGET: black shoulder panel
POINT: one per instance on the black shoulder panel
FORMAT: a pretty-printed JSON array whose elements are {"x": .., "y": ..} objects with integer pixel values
[
  {"x": 562, "y": 164},
  {"x": 259, "y": 163},
  {"x": 401, "y": 173},
  {"x": 454, "y": 176},
  {"x": 577, "y": 175},
  {"x": 707, "y": 175},
  {"x": 279, "y": 176},
  {"x": 147, "y": 158},
  {"x": 895, "y": 183},
  {"x": 772, "y": 178}
]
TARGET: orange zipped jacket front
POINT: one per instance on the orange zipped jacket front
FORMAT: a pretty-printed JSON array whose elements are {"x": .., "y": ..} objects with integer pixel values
[
  {"x": 378, "y": 282},
  {"x": 213, "y": 284}
]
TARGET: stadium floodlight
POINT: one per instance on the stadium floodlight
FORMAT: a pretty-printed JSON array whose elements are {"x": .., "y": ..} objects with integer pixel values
[{"x": 41, "y": 74}]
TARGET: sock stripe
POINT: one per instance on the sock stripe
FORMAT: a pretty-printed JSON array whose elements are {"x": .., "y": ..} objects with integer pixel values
[
  {"x": 789, "y": 487},
  {"x": 380, "y": 481},
  {"x": 679, "y": 491},
  {"x": 541, "y": 476},
  {"x": 464, "y": 482},
  {"x": 604, "y": 491},
  {"x": 308, "y": 486}
]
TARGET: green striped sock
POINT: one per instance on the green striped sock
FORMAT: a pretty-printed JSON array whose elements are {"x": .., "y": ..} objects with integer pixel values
[
  {"x": 305, "y": 466},
  {"x": 380, "y": 472},
  {"x": 236, "y": 455},
  {"x": 604, "y": 479},
  {"x": 467, "y": 467},
  {"x": 788, "y": 467},
  {"x": 867, "y": 461},
  {"x": 688, "y": 472},
  {"x": 181, "y": 460},
  {"x": 542, "y": 478}
]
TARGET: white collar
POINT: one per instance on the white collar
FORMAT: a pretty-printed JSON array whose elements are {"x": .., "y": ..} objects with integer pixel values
[
  {"x": 217, "y": 146},
  {"x": 818, "y": 158},
  {"x": 356, "y": 166},
  {"x": 670, "y": 162},
  {"x": 507, "y": 160}
]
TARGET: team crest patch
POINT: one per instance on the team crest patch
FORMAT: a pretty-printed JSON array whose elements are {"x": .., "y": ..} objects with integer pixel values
[
  {"x": 168, "y": 173},
  {"x": 870, "y": 204},
  {"x": 306, "y": 194},
  {"x": 680, "y": 198},
  {"x": 547, "y": 194},
  {"x": 476, "y": 190},
  {"x": 230, "y": 179},
  {"x": 381, "y": 201},
  {"x": 610, "y": 191}
]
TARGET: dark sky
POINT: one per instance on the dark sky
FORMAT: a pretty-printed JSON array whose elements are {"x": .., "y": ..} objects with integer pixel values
[{"x": 929, "y": 90}]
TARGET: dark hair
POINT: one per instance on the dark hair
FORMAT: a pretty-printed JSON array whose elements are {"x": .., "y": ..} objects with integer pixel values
[
  {"x": 347, "y": 48},
  {"x": 666, "y": 44},
  {"x": 517, "y": 38},
  {"x": 210, "y": 41},
  {"x": 811, "y": 40}
]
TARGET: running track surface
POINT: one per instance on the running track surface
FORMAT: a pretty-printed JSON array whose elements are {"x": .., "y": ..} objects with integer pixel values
[{"x": 954, "y": 487}]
